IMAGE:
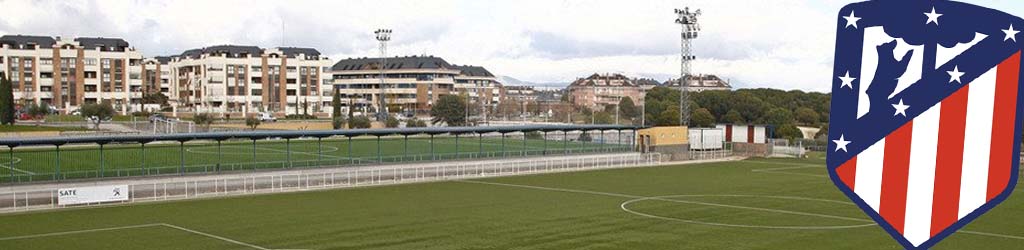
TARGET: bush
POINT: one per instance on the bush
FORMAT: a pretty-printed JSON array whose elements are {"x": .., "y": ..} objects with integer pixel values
[
  {"x": 391, "y": 122},
  {"x": 788, "y": 131},
  {"x": 204, "y": 119},
  {"x": 252, "y": 122},
  {"x": 300, "y": 117},
  {"x": 141, "y": 114},
  {"x": 338, "y": 122},
  {"x": 585, "y": 137},
  {"x": 415, "y": 123},
  {"x": 359, "y": 122}
]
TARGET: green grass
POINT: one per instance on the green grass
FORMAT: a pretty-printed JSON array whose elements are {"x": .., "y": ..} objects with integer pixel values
[
  {"x": 466, "y": 215},
  {"x": 34, "y": 128},
  {"x": 78, "y": 162}
]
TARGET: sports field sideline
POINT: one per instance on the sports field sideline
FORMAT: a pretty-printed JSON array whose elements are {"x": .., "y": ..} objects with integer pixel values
[{"x": 752, "y": 204}]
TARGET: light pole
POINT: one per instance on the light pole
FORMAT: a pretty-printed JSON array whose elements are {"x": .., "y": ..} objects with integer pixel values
[
  {"x": 688, "y": 23},
  {"x": 383, "y": 36}
]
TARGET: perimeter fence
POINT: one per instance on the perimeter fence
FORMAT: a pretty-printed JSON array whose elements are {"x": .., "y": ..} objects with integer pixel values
[{"x": 91, "y": 157}]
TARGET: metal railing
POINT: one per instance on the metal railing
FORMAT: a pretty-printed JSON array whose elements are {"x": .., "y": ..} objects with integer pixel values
[{"x": 289, "y": 181}]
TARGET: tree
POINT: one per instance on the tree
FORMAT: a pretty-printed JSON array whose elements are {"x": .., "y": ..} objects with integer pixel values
[
  {"x": 627, "y": 109},
  {"x": 155, "y": 98},
  {"x": 788, "y": 131},
  {"x": 97, "y": 112},
  {"x": 391, "y": 122},
  {"x": 336, "y": 120},
  {"x": 778, "y": 117},
  {"x": 733, "y": 117},
  {"x": 668, "y": 117},
  {"x": 38, "y": 112},
  {"x": 806, "y": 116},
  {"x": 6, "y": 102},
  {"x": 305, "y": 108},
  {"x": 450, "y": 109},
  {"x": 604, "y": 117},
  {"x": 359, "y": 122},
  {"x": 252, "y": 122},
  {"x": 702, "y": 118},
  {"x": 822, "y": 133},
  {"x": 203, "y": 119}
]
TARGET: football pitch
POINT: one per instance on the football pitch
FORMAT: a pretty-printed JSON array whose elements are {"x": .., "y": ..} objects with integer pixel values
[
  {"x": 121, "y": 160},
  {"x": 751, "y": 204}
]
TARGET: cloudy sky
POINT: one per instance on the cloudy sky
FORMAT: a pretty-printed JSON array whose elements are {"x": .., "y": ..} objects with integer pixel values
[{"x": 785, "y": 44}]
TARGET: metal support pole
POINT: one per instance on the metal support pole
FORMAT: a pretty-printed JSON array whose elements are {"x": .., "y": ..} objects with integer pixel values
[
  {"x": 220, "y": 157},
  {"x": 319, "y": 150},
  {"x": 10, "y": 155},
  {"x": 379, "y": 157},
  {"x": 524, "y": 143},
  {"x": 432, "y": 147},
  {"x": 619, "y": 138},
  {"x": 480, "y": 144},
  {"x": 102, "y": 163},
  {"x": 405, "y": 147},
  {"x": 56, "y": 173},
  {"x": 181, "y": 157},
  {"x": 565, "y": 142},
  {"x": 456, "y": 146},
  {"x": 254, "y": 162},
  {"x": 143, "y": 159},
  {"x": 502, "y": 144},
  {"x": 601, "y": 142},
  {"x": 288, "y": 151},
  {"x": 352, "y": 160},
  {"x": 545, "y": 148}
]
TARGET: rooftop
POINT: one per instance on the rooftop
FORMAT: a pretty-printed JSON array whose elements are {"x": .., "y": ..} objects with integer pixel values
[{"x": 405, "y": 62}]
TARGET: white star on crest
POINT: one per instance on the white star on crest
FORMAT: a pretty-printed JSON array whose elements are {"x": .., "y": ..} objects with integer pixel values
[
  {"x": 901, "y": 109},
  {"x": 847, "y": 80},
  {"x": 932, "y": 17},
  {"x": 1010, "y": 34},
  {"x": 841, "y": 143},
  {"x": 851, "y": 20},
  {"x": 955, "y": 74}
]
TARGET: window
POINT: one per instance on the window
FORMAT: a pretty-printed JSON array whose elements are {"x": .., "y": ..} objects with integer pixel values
[
  {"x": 105, "y": 63},
  {"x": 256, "y": 69},
  {"x": 46, "y": 61},
  {"x": 134, "y": 76},
  {"x": 290, "y": 92},
  {"x": 106, "y": 77},
  {"x": 90, "y": 61},
  {"x": 257, "y": 92}
]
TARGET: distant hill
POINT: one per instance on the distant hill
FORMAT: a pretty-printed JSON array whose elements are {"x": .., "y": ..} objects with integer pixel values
[{"x": 512, "y": 81}]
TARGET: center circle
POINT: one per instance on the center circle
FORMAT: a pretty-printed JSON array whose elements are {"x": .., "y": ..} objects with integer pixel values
[{"x": 669, "y": 198}]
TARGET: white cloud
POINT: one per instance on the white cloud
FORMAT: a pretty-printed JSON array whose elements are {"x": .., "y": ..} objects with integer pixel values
[{"x": 784, "y": 44}]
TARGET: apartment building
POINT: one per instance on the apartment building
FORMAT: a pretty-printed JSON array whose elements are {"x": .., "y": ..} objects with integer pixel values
[
  {"x": 521, "y": 93},
  {"x": 698, "y": 83},
  {"x": 479, "y": 85},
  {"x": 411, "y": 83},
  {"x": 66, "y": 73},
  {"x": 247, "y": 79},
  {"x": 600, "y": 90}
]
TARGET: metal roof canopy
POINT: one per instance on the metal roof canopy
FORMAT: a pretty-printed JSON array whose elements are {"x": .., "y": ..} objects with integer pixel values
[{"x": 255, "y": 135}]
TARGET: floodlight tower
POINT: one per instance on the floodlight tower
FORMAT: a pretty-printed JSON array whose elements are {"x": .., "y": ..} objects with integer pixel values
[
  {"x": 383, "y": 36},
  {"x": 687, "y": 20}
]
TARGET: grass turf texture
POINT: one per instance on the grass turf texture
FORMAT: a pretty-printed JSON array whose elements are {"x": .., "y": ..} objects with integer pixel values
[
  {"x": 569, "y": 211},
  {"x": 38, "y": 164},
  {"x": 34, "y": 128}
]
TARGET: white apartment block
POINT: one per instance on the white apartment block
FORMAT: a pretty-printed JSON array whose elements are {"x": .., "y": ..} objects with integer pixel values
[
  {"x": 412, "y": 84},
  {"x": 66, "y": 73},
  {"x": 248, "y": 79}
]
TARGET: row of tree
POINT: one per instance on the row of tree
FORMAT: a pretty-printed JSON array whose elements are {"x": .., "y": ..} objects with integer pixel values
[{"x": 783, "y": 110}]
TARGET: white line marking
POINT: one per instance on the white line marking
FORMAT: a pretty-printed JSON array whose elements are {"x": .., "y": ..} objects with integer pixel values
[
  {"x": 141, "y": 226},
  {"x": 78, "y": 232},
  {"x": 215, "y": 237},
  {"x": 674, "y": 219},
  {"x": 6, "y": 165}
]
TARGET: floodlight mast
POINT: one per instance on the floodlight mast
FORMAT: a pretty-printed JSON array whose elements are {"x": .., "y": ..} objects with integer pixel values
[
  {"x": 383, "y": 36},
  {"x": 687, "y": 21}
]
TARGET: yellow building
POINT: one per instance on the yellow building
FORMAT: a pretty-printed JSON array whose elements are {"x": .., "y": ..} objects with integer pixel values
[{"x": 673, "y": 139}]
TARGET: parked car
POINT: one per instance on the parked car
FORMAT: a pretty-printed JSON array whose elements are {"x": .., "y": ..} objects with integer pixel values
[
  {"x": 157, "y": 118},
  {"x": 267, "y": 117}
]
